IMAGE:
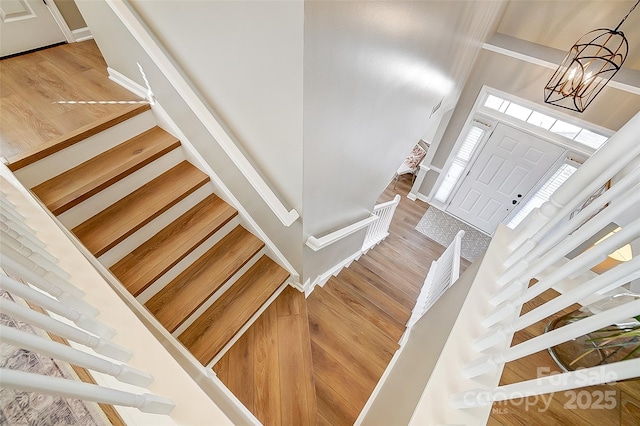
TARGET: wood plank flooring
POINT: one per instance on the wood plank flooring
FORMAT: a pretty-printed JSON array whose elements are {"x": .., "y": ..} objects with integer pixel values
[
  {"x": 269, "y": 367},
  {"x": 352, "y": 326},
  {"x": 31, "y": 83}
]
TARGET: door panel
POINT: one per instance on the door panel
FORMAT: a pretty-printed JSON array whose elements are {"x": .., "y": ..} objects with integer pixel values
[
  {"x": 508, "y": 167},
  {"x": 26, "y": 25}
]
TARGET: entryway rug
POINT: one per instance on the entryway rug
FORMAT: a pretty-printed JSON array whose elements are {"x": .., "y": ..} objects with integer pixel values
[{"x": 442, "y": 228}]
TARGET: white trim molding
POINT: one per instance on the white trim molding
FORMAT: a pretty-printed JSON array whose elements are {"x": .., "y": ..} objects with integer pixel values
[
  {"x": 82, "y": 34},
  {"x": 176, "y": 79},
  {"x": 316, "y": 244},
  {"x": 57, "y": 16}
]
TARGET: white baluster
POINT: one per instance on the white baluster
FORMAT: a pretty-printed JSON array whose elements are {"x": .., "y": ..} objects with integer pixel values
[
  {"x": 29, "y": 382},
  {"x": 43, "y": 284},
  {"x": 609, "y": 373},
  {"x": 66, "y": 331},
  {"x": 582, "y": 262},
  {"x": 613, "y": 278},
  {"x": 547, "y": 241},
  {"x": 21, "y": 232},
  {"x": 548, "y": 252},
  {"x": 490, "y": 363},
  {"x": 52, "y": 305},
  {"x": 606, "y": 162},
  {"x": 35, "y": 256},
  {"x": 60, "y": 351}
]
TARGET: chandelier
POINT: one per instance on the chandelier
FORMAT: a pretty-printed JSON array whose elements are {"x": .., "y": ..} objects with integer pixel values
[{"x": 591, "y": 62}]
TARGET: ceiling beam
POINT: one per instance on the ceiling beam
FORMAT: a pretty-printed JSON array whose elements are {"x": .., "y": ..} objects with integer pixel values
[{"x": 626, "y": 79}]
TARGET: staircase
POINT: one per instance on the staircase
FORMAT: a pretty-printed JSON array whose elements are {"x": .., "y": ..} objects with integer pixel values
[{"x": 125, "y": 188}]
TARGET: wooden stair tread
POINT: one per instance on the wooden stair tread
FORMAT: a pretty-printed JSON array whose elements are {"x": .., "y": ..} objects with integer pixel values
[
  {"x": 371, "y": 277},
  {"x": 376, "y": 296},
  {"x": 339, "y": 377},
  {"x": 70, "y": 188},
  {"x": 365, "y": 308},
  {"x": 149, "y": 261},
  {"x": 362, "y": 335},
  {"x": 324, "y": 334},
  {"x": 112, "y": 225},
  {"x": 189, "y": 290},
  {"x": 215, "y": 327},
  {"x": 61, "y": 142}
]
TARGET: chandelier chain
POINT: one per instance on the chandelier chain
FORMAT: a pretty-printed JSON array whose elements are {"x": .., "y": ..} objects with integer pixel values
[{"x": 627, "y": 15}]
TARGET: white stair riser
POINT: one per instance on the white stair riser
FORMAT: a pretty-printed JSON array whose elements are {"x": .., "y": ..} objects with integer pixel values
[
  {"x": 80, "y": 152},
  {"x": 108, "y": 196},
  {"x": 210, "y": 301},
  {"x": 172, "y": 273},
  {"x": 143, "y": 234}
]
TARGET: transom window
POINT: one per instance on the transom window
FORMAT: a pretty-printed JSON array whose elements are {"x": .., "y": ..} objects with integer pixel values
[{"x": 536, "y": 118}]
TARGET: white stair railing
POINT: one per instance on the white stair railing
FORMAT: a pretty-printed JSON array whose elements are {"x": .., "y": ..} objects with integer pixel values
[
  {"x": 470, "y": 364},
  {"x": 379, "y": 230},
  {"x": 377, "y": 225},
  {"x": 32, "y": 263},
  {"x": 442, "y": 274}
]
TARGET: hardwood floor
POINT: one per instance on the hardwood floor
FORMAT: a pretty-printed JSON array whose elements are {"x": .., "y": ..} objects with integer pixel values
[
  {"x": 354, "y": 324},
  {"x": 302, "y": 362},
  {"x": 269, "y": 367},
  {"x": 31, "y": 84}
]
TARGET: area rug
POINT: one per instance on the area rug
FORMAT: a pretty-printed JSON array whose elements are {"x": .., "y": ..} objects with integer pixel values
[
  {"x": 442, "y": 228},
  {"x": 30, "y": 408}
]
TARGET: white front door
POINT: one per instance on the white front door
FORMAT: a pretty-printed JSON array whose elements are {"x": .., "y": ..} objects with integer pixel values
[
  {"x": 26, "y": 25},
  {"x": 508, "y": 167}
]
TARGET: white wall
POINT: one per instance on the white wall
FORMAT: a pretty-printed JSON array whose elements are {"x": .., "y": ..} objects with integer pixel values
[
  {"x": 611, "y": 109},
  {"x": 122, "y": 52},
  {"x": 245, "y": 58},
  {"x": 373, "y": 71}
]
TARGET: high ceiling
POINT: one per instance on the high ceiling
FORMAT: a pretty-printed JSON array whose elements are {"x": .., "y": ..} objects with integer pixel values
[{"x": 561, "y": 23}]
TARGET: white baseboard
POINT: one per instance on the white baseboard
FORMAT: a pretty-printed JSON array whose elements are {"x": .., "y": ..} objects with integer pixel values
[
  {"x": 412, "y": 196},
  {"x": 127, "y": 83},
  {"x": 422, "y": 197},
  {"x": 82, "y": 34}
]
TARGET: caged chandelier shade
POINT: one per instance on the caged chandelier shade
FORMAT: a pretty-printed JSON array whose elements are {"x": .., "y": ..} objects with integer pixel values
[{"x": 591, "y": 62}]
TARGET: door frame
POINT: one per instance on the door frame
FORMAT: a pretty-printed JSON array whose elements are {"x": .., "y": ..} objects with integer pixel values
[
  {"x": 488, "y": 118},
  {"x": 57, "y": 16},
  {"x": 526, "y": 196}
]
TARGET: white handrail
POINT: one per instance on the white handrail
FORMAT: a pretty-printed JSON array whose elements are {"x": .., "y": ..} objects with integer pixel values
[
  {"x": 479, "y": 344},
  {"x": 29, "y": 382},
  {"x": 380, "y": 230},
  {"x": 319, "y": 243},
  {"x": 442, "y": 274},
  {"x": 166, "y": 66}
]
